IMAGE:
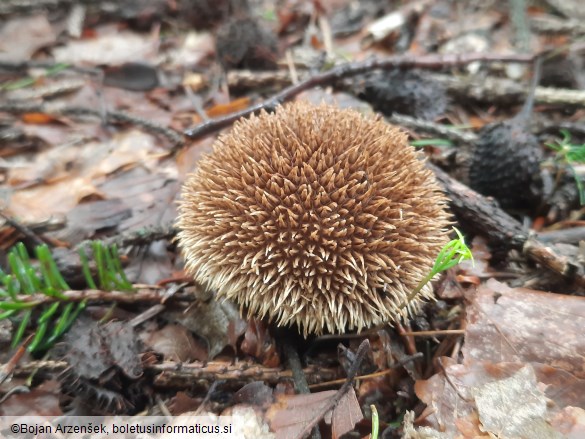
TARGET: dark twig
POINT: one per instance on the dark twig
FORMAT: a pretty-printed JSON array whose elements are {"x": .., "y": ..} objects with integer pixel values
[
  {"x": 22, "y": 229},
  {"x": 180, "y": 375},
  {"x": 139, "y": 237},
  {"x": 294, "y": 364},
  {"x": 353, "y": 370},
  {"x": 347, "y": 70}
]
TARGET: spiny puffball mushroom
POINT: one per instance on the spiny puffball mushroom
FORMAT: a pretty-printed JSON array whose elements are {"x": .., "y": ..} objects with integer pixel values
[{"x": 315, "y": 216}]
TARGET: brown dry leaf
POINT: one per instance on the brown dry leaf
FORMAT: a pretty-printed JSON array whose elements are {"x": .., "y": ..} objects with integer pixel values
[
  {"x": 150, "y": 195},
  {"x": 210, "y": 320},
  {"x": 231, "y": 107},
  {"x": 259, "y": 343},
  {"x": 465, "y": 399},
  {"x": 346, "y": 414},
  {"x": 176, "y": 344},
  {"x": 522, "y": 325},
  {"x": 38, "y": 203},
  {"x": 119, "y": 185},
  {"x": 110, "y": 47},
  {"x": 182, "y": 403},
  {"x": 447, "y": 400},
  {"x": 514, "y": 407},
  {"x": 151, "y": 265},
  {"x": 85, "y": 219},
  {"x": 20, "y": 38},
  {"x": 570, "y": 422},
  {"x": 38, "y": 118},
  {"x": 522, "y": 353},
  {"x": 40, "y": 401},
  {"x": 195, "y": 47},
  {"x": 289, "y": 415},
  {"x": 188, "y": 157}
]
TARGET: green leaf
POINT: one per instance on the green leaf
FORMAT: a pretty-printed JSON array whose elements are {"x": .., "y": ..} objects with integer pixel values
[
  {"x": 86, "y": 270},
  {"x": 21, "y": 328},
  {"x": 7, "y": 314},
  {"x": 19, "y": 270},
  {"x": 440, "y": 143},
  {"x": 48, "y": 313},
  {"x": 38, "y": 337},
  {"x": 50, "y": 270},
  {"x": 17, "y": 305}
]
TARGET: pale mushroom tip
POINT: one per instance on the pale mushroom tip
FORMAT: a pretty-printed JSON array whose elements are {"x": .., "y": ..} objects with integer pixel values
[{"x": 315, "y": 216}]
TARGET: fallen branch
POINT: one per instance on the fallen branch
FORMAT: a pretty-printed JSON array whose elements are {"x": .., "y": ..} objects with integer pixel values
[
  {"x": 486, "y": 218},
  {"x": 506, "y": 91},
  {"x": 182, "y": 375},
  {"x": 145, "y": 295},
  {"x": 347, "y": 70},
  {"x": 171, "y": 374},
  {"x": 359, "y": 358}
]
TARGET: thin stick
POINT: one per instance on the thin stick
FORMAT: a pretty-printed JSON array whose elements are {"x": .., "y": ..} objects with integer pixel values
[
  {"x": 294, "y": 364},
  {"x": 22, "y": 229},
  {"x": 370, "y": 376},
  {"x": 352, "y": 69}
]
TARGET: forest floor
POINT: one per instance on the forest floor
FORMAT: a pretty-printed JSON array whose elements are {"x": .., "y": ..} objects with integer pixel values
[{"x": 107, "y": 107}]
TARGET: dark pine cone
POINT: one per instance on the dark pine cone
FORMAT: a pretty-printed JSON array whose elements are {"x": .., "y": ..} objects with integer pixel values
[{"x": 505, "y": 164}]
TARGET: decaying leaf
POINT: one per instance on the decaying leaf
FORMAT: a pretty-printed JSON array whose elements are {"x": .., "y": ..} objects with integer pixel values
[
  {"x": 514, "y": 407},
  {"x": 104, "y": 365},
  {"x": 39, "y": 401},
  {"x": 289, "y": 415},
  {"x": 20, "y": 38},
  {"x": 213, "y": 321},
  {"x": 517, "y": 324},
  {"x": 176, "y": 344}
]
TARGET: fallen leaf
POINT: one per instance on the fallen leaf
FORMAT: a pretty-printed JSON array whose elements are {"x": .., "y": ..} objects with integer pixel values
[
  {"x": 514, "y": 407},
  {"x": 21, "y": 37},
  {"x": 175, "y": 343},
  {"x": 38, "y": 118},
  {"x": 214, "y": 328},
  {"x": 40, "y": 401},
  {"x": 231, "y": 107},
  {"x": 289, "y": 415},
  {"x": 521, "y": 325},
  {"x": 110, "y": 47}
]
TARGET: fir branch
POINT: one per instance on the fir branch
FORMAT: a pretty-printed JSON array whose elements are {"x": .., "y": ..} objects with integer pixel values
[{"x": 39, "y": 289}]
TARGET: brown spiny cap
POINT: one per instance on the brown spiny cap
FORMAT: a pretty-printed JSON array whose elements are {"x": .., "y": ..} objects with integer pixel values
[{"x": 315, "y": 216}]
